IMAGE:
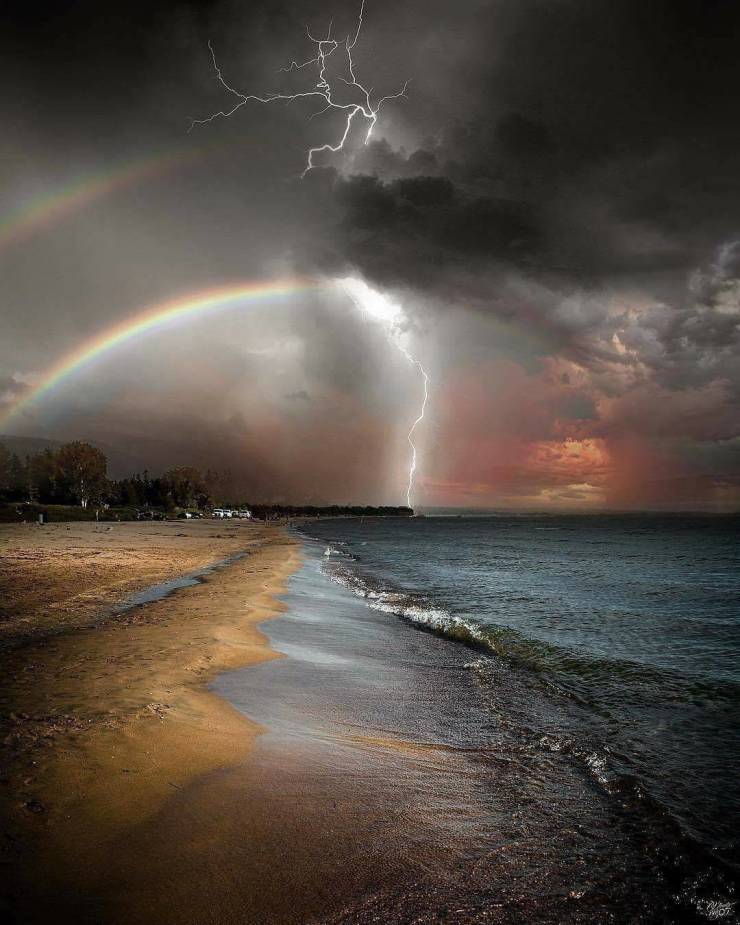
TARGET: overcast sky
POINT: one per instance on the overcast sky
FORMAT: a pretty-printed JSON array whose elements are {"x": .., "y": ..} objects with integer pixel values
[{"x": 555, "y": 204}]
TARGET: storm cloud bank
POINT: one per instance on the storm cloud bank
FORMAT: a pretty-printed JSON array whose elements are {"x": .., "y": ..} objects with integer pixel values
[{"x": 556, "y": 205}]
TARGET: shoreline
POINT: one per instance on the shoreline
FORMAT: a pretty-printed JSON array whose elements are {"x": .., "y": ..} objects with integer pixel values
[
  {"x": 111, "y": 719},
  {"x": 395, "y": 781}
]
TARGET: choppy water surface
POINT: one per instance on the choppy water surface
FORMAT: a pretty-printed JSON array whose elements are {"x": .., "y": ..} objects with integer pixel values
[{"x": 610, "y": 644}]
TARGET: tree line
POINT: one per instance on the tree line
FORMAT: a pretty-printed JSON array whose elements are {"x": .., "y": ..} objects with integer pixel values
[
  {"x": 77, "y": 474},
  {"x": 269, "y": 511}
]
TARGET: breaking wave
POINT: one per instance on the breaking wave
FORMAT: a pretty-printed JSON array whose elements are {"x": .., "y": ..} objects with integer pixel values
[
  {"x": 637, "y": 717},
  {"x": 709, "y": 894},
  {"x": 568, "y": 673}
]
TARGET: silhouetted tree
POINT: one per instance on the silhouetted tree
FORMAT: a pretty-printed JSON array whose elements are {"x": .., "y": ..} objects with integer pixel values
[
  {"x": 5, "y": 472},
  {"x": 42, "y": 474},
  {"x": 185, "y": 487},
  {"x": 129, "y": 493},
  {"x": 81, "y": 470},
  {"x": 17, "y": 479}
]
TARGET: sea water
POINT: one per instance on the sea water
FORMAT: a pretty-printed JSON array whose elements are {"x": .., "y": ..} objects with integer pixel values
[{"x": 611, "y": 643}]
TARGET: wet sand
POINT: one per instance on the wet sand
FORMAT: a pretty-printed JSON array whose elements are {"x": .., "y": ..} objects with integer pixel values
[
  {"x": 106, "y": 713},
  {"x": 391, "y": 786}
]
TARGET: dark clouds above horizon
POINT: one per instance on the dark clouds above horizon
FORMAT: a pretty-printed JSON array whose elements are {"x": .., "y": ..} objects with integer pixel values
[{"x": 556, "y": 204}]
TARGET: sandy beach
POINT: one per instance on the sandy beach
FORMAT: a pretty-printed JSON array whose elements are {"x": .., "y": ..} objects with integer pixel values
[
  {"x": 66, "y": 575},
  {"x": 177, "y": 763},
  {"x": 106, "y": 711},
  {"x": 132, "y": 792}
]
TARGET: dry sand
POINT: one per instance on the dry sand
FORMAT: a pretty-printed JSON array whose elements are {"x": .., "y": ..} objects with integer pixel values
[
  {"x": 62, "y": 576},
  {"x": 109, "y": 719}
]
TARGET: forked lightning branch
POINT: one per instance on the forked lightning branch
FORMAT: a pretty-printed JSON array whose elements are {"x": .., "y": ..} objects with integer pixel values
[
  {"x": 363, "y": 296},
  {"x": 323, "y": 89}
]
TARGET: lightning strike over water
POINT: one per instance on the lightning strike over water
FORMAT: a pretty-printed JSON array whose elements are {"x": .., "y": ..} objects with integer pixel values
[
  {"x": 392, "y": 317},
  {"x": 410, "y": 435},
  {"x": 323, "y": 89}
]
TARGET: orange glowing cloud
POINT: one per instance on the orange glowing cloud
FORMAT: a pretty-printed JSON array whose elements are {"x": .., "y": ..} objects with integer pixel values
[{"x": 515, "y": 437}]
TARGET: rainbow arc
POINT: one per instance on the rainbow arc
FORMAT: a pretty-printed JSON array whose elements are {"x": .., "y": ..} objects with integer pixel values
[{"x": 154, "y": 318}]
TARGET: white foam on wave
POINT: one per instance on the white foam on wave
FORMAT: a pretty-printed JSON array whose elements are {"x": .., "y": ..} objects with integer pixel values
[
  {"x": 597, "y": 765},
  {"x": 349, "y": 582},
  {"x": 441, "y": 621},
  {"x": 434, "y": 618},
  {"x": 478, "y": 664},
  {"x": 553, "y": 743}
]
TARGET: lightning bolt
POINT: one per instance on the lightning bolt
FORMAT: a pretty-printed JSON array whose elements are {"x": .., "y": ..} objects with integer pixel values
[
  {"x": 366, "y": 299},
  {"x": 323, "y": 89},
  {"x": 420, "y": 418},
  {"x": 392, "y": 317}
]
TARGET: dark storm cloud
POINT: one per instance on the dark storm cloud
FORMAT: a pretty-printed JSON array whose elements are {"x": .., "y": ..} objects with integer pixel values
[
  {"x": 595, "y": 141},
  {"x": 585, "y": 187},
  {"x": 563, "y": 168},
  {"x": 587, "y": 139},
  {"x": 418, "y": 231}
]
